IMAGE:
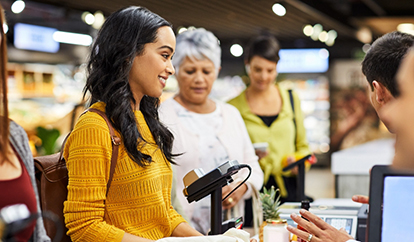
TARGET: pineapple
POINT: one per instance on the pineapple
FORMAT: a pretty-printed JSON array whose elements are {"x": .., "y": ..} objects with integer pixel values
[{"x": 270, "y": 207}]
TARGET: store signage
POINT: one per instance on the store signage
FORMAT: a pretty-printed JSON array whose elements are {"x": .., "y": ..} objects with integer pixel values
[
  {"x": 33, "y": 37},
  {"x": 303, "y": 61}
]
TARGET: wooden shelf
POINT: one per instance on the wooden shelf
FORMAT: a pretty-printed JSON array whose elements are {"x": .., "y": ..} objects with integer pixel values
[{"x": 31, "y": 80}]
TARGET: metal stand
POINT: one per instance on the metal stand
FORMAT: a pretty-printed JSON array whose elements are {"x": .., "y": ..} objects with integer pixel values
[
  {"x": 300, "y": 178},
  {"x": 211, "y": 184},
  {"x": 300, "y": 182},
  {"x": 216, "y": 212},
  {"x": 215, "y": 191}
]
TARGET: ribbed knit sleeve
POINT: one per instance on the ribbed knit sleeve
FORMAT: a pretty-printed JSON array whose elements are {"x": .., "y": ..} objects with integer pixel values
[
  {"x": 139, "y": 199},
  {"x": 175, "y": 218}
]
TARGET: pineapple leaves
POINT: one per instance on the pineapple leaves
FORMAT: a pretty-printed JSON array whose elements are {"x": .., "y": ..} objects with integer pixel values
[{"x": 270, "y": 204}]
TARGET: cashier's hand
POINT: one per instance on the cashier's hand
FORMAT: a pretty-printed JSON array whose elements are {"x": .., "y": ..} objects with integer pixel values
[
  {"x": 360, "y": 199},
  {"x": 319, "y": 229},
  {"x": 234, "y": 198}
]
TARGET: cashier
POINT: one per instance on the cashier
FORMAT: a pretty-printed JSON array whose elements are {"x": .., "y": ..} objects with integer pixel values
[{"x": 402, "y": 109}]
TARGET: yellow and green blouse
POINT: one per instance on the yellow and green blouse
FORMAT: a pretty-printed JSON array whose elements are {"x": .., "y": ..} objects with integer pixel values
[{"x": 281, "y": 136}]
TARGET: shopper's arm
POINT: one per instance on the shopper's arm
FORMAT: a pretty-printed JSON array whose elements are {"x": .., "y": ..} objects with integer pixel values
[
  {"x": 132, "y": 238},
  {"x": 235, "y": 197},
  {"x": 185, "y": 230}
]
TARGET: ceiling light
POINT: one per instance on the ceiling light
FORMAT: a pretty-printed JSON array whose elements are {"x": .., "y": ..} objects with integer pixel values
[
  {"x": 99, "y": 20},
  {"x": 18, "y": 6},
  {"x": 332, "y": 34},
  {"x": 323, "y": 53},
  {"x": 72, "y": 38},
  {"x": 366, "y": 47},
  {"x": 317, "y": 29},
  {"x": 278, "y": 9},
  {"x": 409, "y": 32},
  {"x": 88, "y": 18},
  {"x": 308, "y": 30},
  {"x": 323, "y": 36},
  {"x": 181, "y": 29},
  {"x": 236, "y": 50},
  {"x": 330, "y": 42},
  {"x": 364, "y": 35},
  {"x": 406, "y": 28},
  {"x": 5, "y": 28}
]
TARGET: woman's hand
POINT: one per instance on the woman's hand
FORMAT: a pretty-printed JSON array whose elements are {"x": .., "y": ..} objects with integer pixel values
[
  {"x": 235, "y": 197},
  {"x": 318, "y": 230},
  {"x": 290, "y": 160},
  {"x": 261, "y": 154}
]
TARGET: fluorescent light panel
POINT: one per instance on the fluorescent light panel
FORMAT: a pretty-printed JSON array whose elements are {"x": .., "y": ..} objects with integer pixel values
[{"x": 72, "y": 38}]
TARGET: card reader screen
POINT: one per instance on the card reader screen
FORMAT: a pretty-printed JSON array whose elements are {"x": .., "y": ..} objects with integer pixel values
[{"x": 338, "y": 223}]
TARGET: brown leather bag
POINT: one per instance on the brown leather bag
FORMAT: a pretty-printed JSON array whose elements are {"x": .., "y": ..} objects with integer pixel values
[{"x": 52, "y": 181}]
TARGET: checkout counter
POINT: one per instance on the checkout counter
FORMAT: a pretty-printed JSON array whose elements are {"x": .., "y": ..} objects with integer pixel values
[{"x": 340, "y": 213}]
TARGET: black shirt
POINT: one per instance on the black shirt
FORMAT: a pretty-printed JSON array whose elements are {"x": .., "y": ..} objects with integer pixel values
[{"x": 268, "y": 120}]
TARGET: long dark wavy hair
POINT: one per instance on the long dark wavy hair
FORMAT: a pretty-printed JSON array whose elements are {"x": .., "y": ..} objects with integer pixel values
[{"x": 123, "y": 37}]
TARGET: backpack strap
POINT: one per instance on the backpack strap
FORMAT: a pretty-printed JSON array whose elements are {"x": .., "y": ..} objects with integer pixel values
[
  {"x": 116, "y": 141},
  {"x": 294, "y": 114}
]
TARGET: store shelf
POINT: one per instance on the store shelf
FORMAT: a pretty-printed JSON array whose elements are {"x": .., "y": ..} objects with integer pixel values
[{"x": 30, "y": 80}]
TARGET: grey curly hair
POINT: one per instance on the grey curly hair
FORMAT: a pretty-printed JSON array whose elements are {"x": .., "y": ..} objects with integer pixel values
[{"x": 199, "y": 44}]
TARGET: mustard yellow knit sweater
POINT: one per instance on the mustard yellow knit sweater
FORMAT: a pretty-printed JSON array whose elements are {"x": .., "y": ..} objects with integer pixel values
[{"x": 139, "y": 199}]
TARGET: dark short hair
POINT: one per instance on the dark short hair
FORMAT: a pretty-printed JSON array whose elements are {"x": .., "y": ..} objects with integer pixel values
[
  {"x": 265, "y": 46},
  {"x": 383, "y": 59}
]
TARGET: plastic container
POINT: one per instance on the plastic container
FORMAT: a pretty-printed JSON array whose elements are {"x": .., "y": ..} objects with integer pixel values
[{"x": 276, "y": 231}]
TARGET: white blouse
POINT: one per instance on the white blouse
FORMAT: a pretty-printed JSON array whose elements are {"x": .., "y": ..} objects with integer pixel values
[{"x": 207, "y": 127}]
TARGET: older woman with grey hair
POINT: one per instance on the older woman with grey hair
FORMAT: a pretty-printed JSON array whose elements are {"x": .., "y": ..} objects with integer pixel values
[{"x": 206, "y": 132}]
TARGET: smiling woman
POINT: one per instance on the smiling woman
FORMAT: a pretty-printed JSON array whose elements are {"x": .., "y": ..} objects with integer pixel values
[
  {"x": 129, "y": 64},
  {"x": 156, "y": 61}
]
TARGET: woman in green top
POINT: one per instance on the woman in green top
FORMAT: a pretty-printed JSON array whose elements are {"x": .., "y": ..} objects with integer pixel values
[{"x": 267, "y": 112}]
